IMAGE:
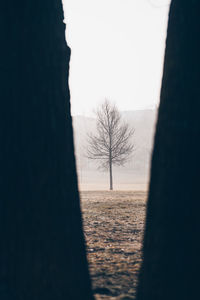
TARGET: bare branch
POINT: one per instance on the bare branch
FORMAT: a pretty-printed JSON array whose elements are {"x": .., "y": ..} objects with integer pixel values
[{"x": 112, "y": 142}]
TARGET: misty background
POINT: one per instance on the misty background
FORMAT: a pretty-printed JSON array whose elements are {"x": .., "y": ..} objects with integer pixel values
[
  {"x": 135, "y": 173},
  {"x": 117, "y": 53}
]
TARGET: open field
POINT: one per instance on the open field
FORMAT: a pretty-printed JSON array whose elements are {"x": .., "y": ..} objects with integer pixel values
[
  {"x": 140, "y": 186},
  {"x": 113, "y": 226}
]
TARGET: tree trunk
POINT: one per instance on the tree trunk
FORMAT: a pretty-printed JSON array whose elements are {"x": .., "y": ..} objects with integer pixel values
[
  {"x": 42, "y": 252},
  {"x": 171, "y": 262},
  {"x": 111, "y": 176}
]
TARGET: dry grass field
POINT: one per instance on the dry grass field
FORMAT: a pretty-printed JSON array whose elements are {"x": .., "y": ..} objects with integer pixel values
[{"x": 113, "y": 226}]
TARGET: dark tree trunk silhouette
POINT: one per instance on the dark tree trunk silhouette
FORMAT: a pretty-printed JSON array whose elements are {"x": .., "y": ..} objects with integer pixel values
[
  {"x": 42, "y": 252},
  {"x": 171, "y": 266}
]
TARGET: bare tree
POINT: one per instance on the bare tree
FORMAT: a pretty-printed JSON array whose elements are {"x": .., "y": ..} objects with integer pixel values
[{"x": 111, "y": 144}]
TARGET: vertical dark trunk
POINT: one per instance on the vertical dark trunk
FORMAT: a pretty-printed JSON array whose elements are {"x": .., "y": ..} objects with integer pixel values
[
  {"x": 111, "y": 176},
  {"x": 171, "y": 265},
  {"x": 42, "y": 252}
]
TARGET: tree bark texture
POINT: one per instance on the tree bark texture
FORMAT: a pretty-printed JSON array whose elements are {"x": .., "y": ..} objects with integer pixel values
[
  {"x": 171, "y": 263},
  {"x": 42, "y": 251}
]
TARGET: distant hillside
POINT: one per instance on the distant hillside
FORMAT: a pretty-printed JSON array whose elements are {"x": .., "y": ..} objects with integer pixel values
[{"x": 136, "y": 170}]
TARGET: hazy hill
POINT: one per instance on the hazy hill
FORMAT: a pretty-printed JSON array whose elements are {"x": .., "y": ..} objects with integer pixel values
[{"x": 136, "y": 171}]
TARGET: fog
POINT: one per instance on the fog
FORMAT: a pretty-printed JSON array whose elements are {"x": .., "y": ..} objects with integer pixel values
[
  {"x": 134, "y": 174},
  {"x": 117, "y": 52}
]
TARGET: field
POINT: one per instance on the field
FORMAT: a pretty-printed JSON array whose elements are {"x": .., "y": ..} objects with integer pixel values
[{"x": 113, "y": 226}]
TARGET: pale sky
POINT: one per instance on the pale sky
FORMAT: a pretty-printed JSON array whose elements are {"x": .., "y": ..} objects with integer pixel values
[{"x": 117, "y": 52}]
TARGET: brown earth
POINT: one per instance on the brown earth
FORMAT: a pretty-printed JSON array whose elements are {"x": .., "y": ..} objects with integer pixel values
[{"x": 113, "y": 226}]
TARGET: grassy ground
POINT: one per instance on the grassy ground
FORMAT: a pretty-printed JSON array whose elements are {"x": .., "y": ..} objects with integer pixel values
[{"x": 113, "y": 225}]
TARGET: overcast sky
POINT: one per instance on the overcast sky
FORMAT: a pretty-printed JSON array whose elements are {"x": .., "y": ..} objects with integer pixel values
[{"x": 117, "y": 52}]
